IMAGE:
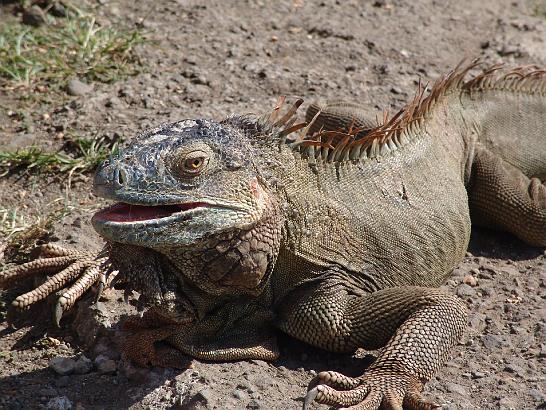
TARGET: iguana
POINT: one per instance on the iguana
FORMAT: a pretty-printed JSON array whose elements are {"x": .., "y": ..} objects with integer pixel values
[{"x": 338, "y": 236}]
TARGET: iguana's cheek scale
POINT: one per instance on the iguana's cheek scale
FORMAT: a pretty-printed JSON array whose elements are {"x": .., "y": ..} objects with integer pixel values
[{"x": 122, "y": 212}]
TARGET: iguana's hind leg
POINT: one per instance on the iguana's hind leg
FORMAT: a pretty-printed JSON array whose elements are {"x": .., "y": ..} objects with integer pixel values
[
  {"x": 415, "y": 327},
  {"x": 503, "y": 197},
  {"x": 338, "y": 115}
]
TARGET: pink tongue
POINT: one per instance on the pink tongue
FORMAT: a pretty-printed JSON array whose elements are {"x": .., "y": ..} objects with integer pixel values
[{"x": 131, "y": 213}]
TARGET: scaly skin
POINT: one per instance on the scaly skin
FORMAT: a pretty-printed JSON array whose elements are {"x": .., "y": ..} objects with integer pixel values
[{"x": 337, "y": 237}]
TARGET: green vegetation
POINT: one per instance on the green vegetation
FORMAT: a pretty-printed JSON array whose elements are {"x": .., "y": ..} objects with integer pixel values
[
  {"x": 540, "y": 9},
  {"x": 35, "y": 65},
  {"x": 79, "y": 155},
  {"x": 76, "y": 46}
]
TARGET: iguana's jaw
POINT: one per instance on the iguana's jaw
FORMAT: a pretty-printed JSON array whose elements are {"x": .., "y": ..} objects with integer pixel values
[{"x": 181, "y": 224}]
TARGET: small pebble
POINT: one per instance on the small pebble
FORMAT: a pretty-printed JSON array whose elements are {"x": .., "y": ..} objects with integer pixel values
[
  {"x": 83, "y": 365},
  {"x": 62, "y": 365},
  {"x": 457, "y": 389},
  {"x": 34, "y": 16},
  {"x": 477, "y": 375},
  {"x": 240, "y": 395},
  {"x": 59, "y": 403},
  {"x": 254, "y": 405},
  {"x": 105, "y": 365},
  {"x": 465, "y": 291},
  {"x": 77, "y": 87},
  {"x": 470, "y": 280},
  {"x": 58, "y": 10}
]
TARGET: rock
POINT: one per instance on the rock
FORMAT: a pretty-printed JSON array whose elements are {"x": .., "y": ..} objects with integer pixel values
[
  {"x": 477, "y": 375},
  {"x": 537, "y": 396},
  {"x": 203, "y": 399},
  {"x": 58, "y": 10},
  {"x": 136, "y": 375},
  {"x": 477, "y": 321},
  {"x": 542, "y": 352},
  {"x": 77, "y": 87},
  {"x": 59, "y": 403},
  {"x": 109, "y": 366},
  {"x": 514, "y": 368},
  {"x": 34, "y": 16},
  {"x": 112, "y": 102},
  {"x": 83, "y": 365},
  {"x": 465, "y": 291},
  {"x": 254, "y": 405},
  {"x": 105, "y": 365},
  {"x": 240, "y": 395},
  {"x": 494, "y": 341},
  {"x": 470, "y": 280},
  {"x": 62, "y": 365},
  {"x": 508, "y": 49},
  {"x": 396, "y": 90},
  {"x": 457, "y": 389},
  {"x": 90, "y": 320},
  {"x": 507, "y": 404}
]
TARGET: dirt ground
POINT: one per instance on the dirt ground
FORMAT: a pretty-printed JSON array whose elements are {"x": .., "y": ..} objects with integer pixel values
[{"x": 213, "y": 58}]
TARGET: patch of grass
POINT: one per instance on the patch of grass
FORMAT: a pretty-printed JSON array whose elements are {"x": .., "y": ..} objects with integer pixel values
[
  {"x": 76, "y": 46},
  {"x": 80, "y": 155},
  {"x": 540, "y": 9}
]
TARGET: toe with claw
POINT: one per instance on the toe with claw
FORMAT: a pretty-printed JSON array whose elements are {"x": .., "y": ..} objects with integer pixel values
[{"x": 389, "y": 389}]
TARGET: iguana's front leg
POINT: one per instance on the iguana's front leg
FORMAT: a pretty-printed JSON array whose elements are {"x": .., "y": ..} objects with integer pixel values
[
  {"x": 415, "y": 327},
  {"x": 75, "y": 272}
]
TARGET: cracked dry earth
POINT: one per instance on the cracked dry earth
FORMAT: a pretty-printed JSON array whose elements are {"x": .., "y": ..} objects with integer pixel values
[{"x": 211, "y": 58}]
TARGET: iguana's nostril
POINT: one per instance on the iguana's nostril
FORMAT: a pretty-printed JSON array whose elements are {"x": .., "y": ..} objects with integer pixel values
[{"x": 120, "y": 177}]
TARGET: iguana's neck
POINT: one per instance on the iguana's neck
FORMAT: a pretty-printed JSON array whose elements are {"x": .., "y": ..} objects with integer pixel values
[{"x": 235, "y": 262}]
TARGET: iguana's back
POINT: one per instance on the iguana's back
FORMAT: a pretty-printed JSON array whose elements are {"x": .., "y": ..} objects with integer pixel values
[{"x": 401, "y": 216}]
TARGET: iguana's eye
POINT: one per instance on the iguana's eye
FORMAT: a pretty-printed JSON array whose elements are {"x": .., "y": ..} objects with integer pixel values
[{"x": 194, "y": 162}]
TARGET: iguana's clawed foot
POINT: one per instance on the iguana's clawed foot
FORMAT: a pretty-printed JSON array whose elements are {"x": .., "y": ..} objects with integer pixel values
[
  {"x": 81, "y": 268},
  {"x": 140, "y": 345},
  {"x": 378, "y": 388}
]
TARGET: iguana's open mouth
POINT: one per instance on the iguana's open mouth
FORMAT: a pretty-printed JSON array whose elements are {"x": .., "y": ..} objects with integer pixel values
[{"x": 122, "y": 212}]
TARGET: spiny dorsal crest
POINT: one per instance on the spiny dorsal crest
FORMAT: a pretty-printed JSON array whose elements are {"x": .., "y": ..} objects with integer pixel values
[{"x": 353, "y": 144}]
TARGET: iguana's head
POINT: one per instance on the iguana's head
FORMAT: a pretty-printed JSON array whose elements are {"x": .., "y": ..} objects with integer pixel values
[
  {"x": 194, "y": 192},
  {"x": 178, "y": 184}
]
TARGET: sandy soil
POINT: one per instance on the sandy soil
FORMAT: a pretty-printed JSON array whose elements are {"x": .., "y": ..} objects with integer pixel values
[{"x": 212, "y": 58}]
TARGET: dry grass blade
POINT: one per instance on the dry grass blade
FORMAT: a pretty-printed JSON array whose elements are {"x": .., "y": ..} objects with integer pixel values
[
  {"x": 19, "y": 234},
  {"x": 86, "y": 155}
]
